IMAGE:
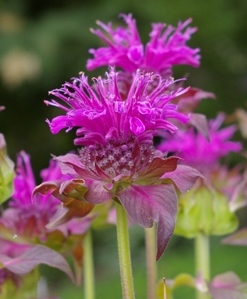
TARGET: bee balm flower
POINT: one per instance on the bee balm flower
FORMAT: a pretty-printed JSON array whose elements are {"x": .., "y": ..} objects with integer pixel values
[
  {"x": 124, "y": 48},
  {"x": 117, "y": 159}
]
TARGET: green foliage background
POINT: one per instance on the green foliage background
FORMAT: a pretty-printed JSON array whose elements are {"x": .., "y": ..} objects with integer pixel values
[{"x": 55, "y": 37}]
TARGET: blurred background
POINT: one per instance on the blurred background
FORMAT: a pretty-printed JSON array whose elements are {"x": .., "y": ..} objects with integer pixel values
[{"x": 45, "y": 43}]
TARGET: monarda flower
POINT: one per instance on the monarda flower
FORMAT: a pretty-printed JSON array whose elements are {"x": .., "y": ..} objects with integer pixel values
[
  {"x": 199, "y": 151},
  {"x": 210, "y": 205},
  {"x": 28, "y": 219},
  {"x": 124, "y": 49},
  {"x": 117, "y": 159}
]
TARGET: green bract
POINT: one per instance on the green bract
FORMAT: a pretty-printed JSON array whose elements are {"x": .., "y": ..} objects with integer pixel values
[
  {"x": 204, "y": 211},
  {"x": 6, "y": 172}
]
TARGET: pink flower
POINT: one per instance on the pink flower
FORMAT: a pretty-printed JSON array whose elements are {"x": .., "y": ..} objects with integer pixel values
[
  {"x": 102, "y": 113},
  {"x": 118, "y": 159},
  {"x": 199, "y": 151},
  {"x": 29, "y": 219},
  {"x": 124, "y": 48}
]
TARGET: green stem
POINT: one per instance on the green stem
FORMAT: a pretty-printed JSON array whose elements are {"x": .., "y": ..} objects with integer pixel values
[
  {"x": 202, "y": 255},
  {"x": 88, "y": 267},
  {"x": 124, "y": 253},
  {"x": 151, "y": 263}
]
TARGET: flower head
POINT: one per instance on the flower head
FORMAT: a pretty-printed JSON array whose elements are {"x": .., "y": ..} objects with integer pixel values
[
  {"x": 102, "y": 113},
  {"x": 118, "y": 159},
  {"x": 199, "y": 151},
  {"x": 210, "y": 205},
  {"x": 27, "y": 218},
  {"x": 166, "y": 47}
]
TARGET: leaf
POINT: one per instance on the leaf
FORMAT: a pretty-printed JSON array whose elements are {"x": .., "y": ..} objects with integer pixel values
[
  {"x": 227, "y": 286},
  {"x": 183, "y": 279},
  {"x": 97, "y": 192},
  {"x": 156, "y": 169},
  {"x": 34, "y": 256},
  {"x": 148, "y": 204},
  {"x": 6, "y": 172},
  {"x": 75, "y": 208},
  {"x": 199, "y": 121},
  {"x": 71, "y": 193},
  {"x": 183, "y": 177}
]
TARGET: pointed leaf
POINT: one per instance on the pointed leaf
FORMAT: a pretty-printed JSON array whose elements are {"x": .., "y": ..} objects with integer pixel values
[
  {"x": 156, "y": 169},
  {"x": 46, "y": 188},
  {"x": 71, "y": 164},
  {"x": 148, "y": 204},
  {"x": 184, "y": 177},
  {"x": 72, "y": 208},
  {"x": 97, "y": 192},
  {"x": 199, "y": 121},
  {"x": 34, "y": 256},
  {"x": 6, "y": 172}
]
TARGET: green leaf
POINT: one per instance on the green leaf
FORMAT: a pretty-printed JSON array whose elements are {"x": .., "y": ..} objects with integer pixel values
[{"x": 6, "y": 172}]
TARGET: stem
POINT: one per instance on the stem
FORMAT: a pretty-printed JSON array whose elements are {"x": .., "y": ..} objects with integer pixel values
[
  {"x": 202, "y": 255},
  {"x": 88, "y": 267},
  {"x": 151, "y": 261},
  {"x": 124, "y": 253},
  {"x": 164, "y": 280}
]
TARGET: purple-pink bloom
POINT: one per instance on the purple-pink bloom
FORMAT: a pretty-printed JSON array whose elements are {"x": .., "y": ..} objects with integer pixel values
[
  {"x": 102, "y": 113},
  {"x": 199, "y": 151},
  {"x": 28, "y": 218},
  {"x": 25, "y": 217},
  {"x": 118, "y": 159},
  {"x": 166, "y": 48}
]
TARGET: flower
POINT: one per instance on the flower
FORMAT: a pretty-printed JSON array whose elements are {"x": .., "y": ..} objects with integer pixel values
[
  {"x": 210, "y": 205},
  {"x": 26, "y": 224},
  {"x": 102, "y": 113},
  {"x": 28, "y": 219},
  {"x": 118, "y": 159},
  {"x": 124, "y": 49},
  {"x": 199, "y": 151}
]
